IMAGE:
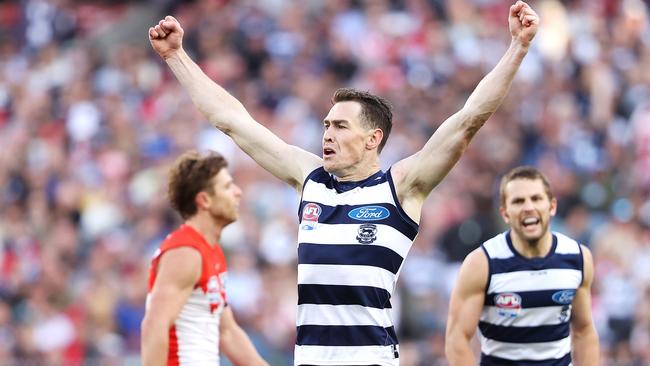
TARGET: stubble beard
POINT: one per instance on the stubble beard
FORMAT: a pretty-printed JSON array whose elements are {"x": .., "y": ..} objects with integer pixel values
[
  {"x": 534, "y": 241},
  {"x": 223, "y": 218}
]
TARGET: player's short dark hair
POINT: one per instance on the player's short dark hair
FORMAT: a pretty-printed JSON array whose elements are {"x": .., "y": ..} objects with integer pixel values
[
  {"x": 523, "y": 172},
  {"x": 192, "y": 173},
  {"x": 376, "y": 112}
]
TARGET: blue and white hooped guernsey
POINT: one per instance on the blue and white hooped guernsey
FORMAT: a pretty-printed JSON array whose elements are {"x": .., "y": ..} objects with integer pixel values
[
  {"x": 525, "y": 318},
  {"x": 352, "y": 241}
]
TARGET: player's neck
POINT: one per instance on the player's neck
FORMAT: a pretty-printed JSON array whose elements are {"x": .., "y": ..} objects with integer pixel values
[
  {"x": 358, "y": 172},
  {"x": 204, "y": 225},
  {"x": 532, "y": 249}
]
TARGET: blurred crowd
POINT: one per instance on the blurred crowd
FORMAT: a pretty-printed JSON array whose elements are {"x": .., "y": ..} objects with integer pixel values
[{"x": 90, "y": 120}]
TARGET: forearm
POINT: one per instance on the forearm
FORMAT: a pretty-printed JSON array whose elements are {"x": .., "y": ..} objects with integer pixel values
[
  {"x": 222, "y": 109},
  {"x": 459, "y": 351},
  {"x": 493, "y": 88},
  {"x": 452, "y": 138},
  {"x": 239, "y": 349},
  {"x": 585, "y": 349},
  {"x": 155, "y": 345},
  {"x": 227, "y": 114}
]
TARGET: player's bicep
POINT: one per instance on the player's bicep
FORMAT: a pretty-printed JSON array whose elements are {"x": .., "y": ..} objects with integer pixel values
[
  {"x": 286, "y": 162},
  {"x": 178, "y": 271},
  {"x": 581, "y": 307},
  {"x": 581, "y": 310},
  {"x": 426, "y": 168},
  {"x": 468, "y": 296}
]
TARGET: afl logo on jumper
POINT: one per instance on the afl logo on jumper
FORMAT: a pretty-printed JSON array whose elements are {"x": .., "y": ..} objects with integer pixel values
[
  {"x": 310, "y": 214},
  {"x": 369, "y": 213},
  {"x": 367, "y": 233},
  {"x": 508, "y": 304}
]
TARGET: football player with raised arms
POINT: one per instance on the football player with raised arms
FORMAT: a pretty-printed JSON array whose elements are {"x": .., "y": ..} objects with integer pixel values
[{"x": 357, "y": 222}]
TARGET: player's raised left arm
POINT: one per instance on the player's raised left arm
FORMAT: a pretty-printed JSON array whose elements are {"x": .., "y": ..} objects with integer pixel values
[
  {"x": 418, "y": 174},
  {"x": 235, "y": 344},
  {"x": 584, "y": 339}
]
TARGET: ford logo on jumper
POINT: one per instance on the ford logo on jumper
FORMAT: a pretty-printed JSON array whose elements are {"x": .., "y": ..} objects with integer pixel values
[
  {"x": 564, "y": 296},
  {"x": 369, "y": 213}
]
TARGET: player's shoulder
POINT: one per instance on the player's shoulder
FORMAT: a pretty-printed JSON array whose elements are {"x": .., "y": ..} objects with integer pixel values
[
  {"x": 586, "y": 253},
  {"x": 497, "y": 247},
  {"x": 176, "y": 235},
  {"x": 566, "y": 245},
  {"x": 474, "y": 271},
  {"x": 399, "y": 169},
  {"x": 181, "y": 265},
  {"x": 184, "y": 236},
  {"x": 477, "y": 257}
]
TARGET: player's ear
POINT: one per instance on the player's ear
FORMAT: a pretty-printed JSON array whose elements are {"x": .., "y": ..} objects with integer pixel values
[
  {"x": 553, "y": 206},
  {"x": 202, "y": 200},
  {"x": 504, "y": 214},
  {"x": 375, "y": 137}
]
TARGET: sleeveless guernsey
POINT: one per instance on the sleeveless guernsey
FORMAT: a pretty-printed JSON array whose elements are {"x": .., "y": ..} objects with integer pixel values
[
  {"x": 194, "y": 337},
  {"x": 525, "y": 319},
  {"x": 352, "y": 240}
]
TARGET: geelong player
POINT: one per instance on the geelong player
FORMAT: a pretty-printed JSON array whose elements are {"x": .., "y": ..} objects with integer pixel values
[
  {"x": 357, "y": 222},
  {"x": 527, "y": 290}
]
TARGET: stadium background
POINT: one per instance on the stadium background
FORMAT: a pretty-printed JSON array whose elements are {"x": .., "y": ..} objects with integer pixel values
[{"x": 90, "y": 120}]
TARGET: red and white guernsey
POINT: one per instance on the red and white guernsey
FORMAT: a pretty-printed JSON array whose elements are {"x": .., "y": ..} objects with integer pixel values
[{"x": 194, "y": 337}]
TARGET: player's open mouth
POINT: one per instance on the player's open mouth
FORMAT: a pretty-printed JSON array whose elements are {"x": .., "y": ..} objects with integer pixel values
[
  {"x": 530, "y": 221},
  {"x": 327, "y": 152}
]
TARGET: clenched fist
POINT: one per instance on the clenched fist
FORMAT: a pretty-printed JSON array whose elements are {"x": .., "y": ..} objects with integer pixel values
[
  {"x": 523, "y": 22},
  {"x": 166, "y": 37}
]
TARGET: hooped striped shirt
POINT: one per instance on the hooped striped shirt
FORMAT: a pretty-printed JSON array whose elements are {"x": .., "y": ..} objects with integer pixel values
[
  {"x": 352, "y": 240},
  {"x": 525, "y": 318}
]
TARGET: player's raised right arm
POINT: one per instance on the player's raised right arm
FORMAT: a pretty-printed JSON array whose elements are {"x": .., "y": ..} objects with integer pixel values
[{"x": 287, "y": 162}]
